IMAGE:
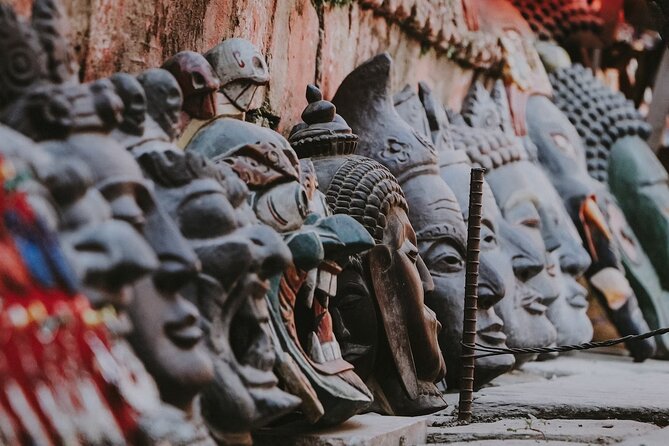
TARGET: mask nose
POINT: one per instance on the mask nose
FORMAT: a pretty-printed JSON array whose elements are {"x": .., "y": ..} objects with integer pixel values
[
  {"x": 525, "y": 267},
  {"x": 178, "y": 262},
  {"x": 491, "y": 285},
  {"x": 574, "y": 260},
  {"x": 126, "y": 208},
  {"x": 526, "y": 260},
  {"x": 112, "y": 255},
  {"x": 425, "y": 276},
  {"x": 269, "y": 250},
  {"x": 173, "y": 274},
  {"x": 182, "y": 314},
  {"x": 551, "y": 240}
]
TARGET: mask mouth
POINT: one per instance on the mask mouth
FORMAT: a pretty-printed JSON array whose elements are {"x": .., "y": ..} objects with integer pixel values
[
  {"x": 185, "y": 333},
  {"x": 530, "y": 300},
  {"x": 577, "y": 300},
  {"x": 492, "y": 335},
  {"x": 314, "y": 320},
  {"x": 490, "y": 329},
  {"x": 187, "y": 337},
  {"x": 252, "y": 347},
  {"x": 241, "y": 93}
]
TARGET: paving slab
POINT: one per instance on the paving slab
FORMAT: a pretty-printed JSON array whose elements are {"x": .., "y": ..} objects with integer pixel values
[
  {"x": 657, "y": 438},
  {"x": 361, "y": 430},
  {"x": 590, "y": 364},
  {"x": 640, "y": 397},
  {"x": 512, "y": 443},
  {"x": 520, "y": 377},
  {"x": 577, "y": 431}
]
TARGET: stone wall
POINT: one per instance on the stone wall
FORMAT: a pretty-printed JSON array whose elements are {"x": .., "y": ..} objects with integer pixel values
[{"x": 305, "y": 41}]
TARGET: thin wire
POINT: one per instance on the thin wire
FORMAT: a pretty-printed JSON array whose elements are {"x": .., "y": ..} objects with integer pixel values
[{"x": 496, "y": 351}]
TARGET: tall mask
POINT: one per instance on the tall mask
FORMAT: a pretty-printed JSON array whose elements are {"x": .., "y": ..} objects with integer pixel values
[
  {"x": 493, "y": 285},
  {"x": 241, "y": 69},
  {"x": 164, "y": 99},
  {"x": 238, "y": 256},
  {"x": 198, "y": 83},
  {"x": 379, "y": 312},
  {"x": 612, "y": 244},
  {"x": 568, "y": 312},
  {"x": 133, "y": 96}
]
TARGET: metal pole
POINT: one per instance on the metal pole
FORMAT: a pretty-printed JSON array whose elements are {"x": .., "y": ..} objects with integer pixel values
[{"x": 471, "y": 295}]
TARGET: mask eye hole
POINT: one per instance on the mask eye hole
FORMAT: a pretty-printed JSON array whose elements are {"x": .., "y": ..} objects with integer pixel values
[
  {"x": 198, "y": 81},
  {"x": 534, "y": 223}
]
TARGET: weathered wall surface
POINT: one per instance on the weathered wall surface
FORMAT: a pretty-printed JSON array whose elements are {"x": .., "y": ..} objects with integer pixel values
[{"x": 304, "y": 43}]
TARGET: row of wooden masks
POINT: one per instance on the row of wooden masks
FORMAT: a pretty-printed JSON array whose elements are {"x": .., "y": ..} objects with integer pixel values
[{"x": 333, "y": 261}]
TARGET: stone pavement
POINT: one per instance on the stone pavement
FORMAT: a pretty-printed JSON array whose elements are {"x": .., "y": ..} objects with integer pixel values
[{"x": 586, "y": 398}]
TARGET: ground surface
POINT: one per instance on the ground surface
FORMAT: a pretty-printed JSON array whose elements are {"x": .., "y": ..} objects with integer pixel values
[{"x": 575, "y": 400}]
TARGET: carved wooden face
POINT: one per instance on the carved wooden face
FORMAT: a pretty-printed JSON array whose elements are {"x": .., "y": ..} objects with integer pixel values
[
  {"x": 387, "y": 290},
  {"x": 521, "y": 206},
  {"x": 559, "y": 147},
  {"x": 495, "y": 272},
  {"x": 132, "y": 94},
  {"x": 567, "y": 313},
  {"x": 169, "y": 340},
  {"x": 242, "y": 70},
  {"x": 108, "y": 254},
  {"x": 562, "y": 157},
  {"x": 164, "y": 99},
  {"x": 167, "y": 335},
  {"x": 283, "y": 207},
  {"x": 444, "y": 253},
  {"x": 401, "y": 278},
  {"x": 537, "y": 286},
  {"x": 198, "y": 83},
  {"x": 640, "y": 184},
  {"x": 354, "y": 318},
  {"x": 524, "y": 316},
  {"x": 237, "y": 259}
]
